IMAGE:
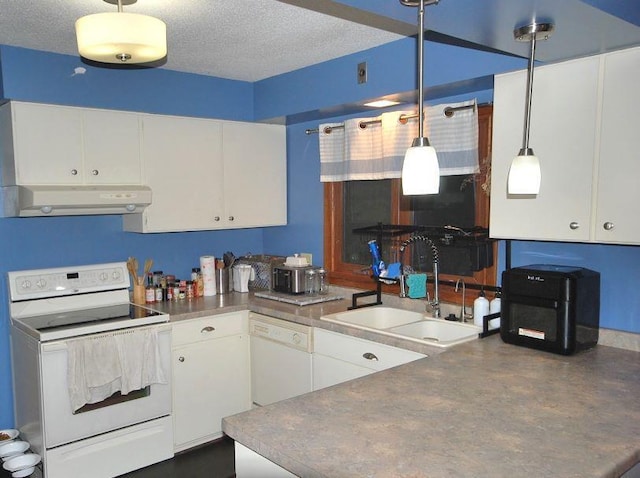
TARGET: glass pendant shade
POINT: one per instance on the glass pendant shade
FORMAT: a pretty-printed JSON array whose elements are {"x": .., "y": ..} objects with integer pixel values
[
  {"x": 119, "y": 37},
  {"x": 420, "y": 171},
  {"x": 524, "y": 174}
]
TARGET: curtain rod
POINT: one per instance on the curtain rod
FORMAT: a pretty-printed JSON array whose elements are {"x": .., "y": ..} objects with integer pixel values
[{"x": 449, "y": 111}]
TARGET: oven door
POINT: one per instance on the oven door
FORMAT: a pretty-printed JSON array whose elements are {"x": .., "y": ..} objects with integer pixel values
[{"x": 63, "y": 426}]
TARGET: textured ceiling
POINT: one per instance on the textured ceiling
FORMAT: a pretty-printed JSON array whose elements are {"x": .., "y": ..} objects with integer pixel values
[
  {"x": 254, "y": 40},
  {"x": 224, "y": 38}
]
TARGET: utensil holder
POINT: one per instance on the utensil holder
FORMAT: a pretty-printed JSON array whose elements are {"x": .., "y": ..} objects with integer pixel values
[
  {"x": 223, "y": 282},
  {"x": 138, "y": 294}
]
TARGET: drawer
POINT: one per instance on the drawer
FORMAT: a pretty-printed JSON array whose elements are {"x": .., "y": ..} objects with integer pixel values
[
  {"x": 361, "y": 352},
  {"x": 210, "y": 327}
]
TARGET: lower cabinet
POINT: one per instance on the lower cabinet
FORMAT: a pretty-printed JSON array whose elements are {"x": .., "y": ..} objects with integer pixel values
[
  {"x": 338, "y": 358},
  {"x": 211, "y": 375}
]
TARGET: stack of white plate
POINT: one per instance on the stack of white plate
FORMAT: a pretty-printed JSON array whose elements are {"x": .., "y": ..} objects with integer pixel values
[{"x": 12, "y": 452}]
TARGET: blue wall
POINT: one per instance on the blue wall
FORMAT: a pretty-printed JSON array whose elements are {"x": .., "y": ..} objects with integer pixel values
[{"x": 48, "y": 242}]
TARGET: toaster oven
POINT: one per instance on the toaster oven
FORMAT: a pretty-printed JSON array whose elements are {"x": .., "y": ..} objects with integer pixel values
[{"x": 551, "y": 307}]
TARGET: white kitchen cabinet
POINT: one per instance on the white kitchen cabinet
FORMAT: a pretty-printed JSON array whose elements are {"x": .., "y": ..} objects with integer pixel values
[
  {"x": 60, "y": 145},
  {"x": 562, "y": 134},
  {"x": 583, "y": 131},
  {"x": 182, "y": 160},
  {"x": 255, "y": 170},
  {"x": 618, "y": 205},
  {"x": 338, "y": 357},
  {"x": 209, "y": 174},
  {"x": 211, "y": 375}
]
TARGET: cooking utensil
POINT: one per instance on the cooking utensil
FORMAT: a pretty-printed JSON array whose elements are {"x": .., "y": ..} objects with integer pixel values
[
  {"x": 148, "y": 264},
  {"x": 229, "y": 259}
]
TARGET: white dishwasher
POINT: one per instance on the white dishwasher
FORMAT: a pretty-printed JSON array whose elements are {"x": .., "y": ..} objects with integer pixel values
[{"x": 280, "y": 359}]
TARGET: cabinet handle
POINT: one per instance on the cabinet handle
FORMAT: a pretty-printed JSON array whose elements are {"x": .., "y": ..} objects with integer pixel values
[
  {"x": 370, "y": 356},
  {"x": 608, "y": 226},
  {"x": 574, "y": 225},
  {"x": 95, "y": 172},
  {"x": 208, "y": 328},
  {"x": 231, "y": 218},
  {"x": 217, "y": 218},
  {"x": 74, "y": 172},
  {"x": 181, "y": 359}
]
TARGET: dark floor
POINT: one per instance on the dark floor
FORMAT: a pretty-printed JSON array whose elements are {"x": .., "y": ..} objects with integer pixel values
[{"x": 213, "y": 460}]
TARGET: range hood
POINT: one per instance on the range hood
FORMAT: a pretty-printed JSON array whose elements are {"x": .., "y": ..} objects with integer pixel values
[{"x": 32, "y": 201}]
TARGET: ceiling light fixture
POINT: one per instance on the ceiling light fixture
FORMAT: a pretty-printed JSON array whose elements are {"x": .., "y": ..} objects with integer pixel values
[
  {"x": 381, "y": 103},
  {"x": 119, "y": 37},
  {"x": 420, "y": 169},
  {"x": 524, "y": 173}
]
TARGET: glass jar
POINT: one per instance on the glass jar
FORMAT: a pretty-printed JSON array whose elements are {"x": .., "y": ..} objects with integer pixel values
[
  {"x": 311, "y": 281},
  {"x": 322, "y": 281}
]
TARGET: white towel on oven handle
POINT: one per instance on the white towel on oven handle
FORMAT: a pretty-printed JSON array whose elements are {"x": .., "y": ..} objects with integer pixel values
[
  {"x": 139, "y": 359},
  {"x": 124, "y": 361},
  {"x": 93, "y": 369}
]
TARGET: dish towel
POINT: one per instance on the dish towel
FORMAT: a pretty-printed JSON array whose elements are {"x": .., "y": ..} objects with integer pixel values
[
  {"x": 124, "y": 361},
  {"x": 417, "y": 284}
]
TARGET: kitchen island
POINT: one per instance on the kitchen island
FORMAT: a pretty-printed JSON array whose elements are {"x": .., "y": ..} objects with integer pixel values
[
  {"x": 484, "y": 409},
  {"x": 481, "y": 409}
]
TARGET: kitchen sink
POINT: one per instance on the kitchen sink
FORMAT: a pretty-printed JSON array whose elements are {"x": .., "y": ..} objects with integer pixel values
[
  {"x": 406, "y": 324},
  {"x": 375, "y": 317},
  {"x": 437, "y": 331}
]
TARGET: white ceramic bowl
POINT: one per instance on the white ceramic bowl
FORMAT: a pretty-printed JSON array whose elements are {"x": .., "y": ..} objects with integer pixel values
[
  {"x": 9, "y": 432},
  {"x": 22, "y": 465},
  {"x": 24, "y": 472},
  {"x": 13, "y": 448}
]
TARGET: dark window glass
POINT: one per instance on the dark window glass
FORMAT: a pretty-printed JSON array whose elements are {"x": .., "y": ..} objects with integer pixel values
[{"x": 366, "y": 203}]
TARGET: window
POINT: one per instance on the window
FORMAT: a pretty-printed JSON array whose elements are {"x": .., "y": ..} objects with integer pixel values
[{"x": 463, "y": 201}]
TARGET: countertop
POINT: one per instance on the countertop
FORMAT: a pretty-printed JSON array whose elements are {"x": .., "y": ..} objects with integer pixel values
[{"x": 485, "y": 408}]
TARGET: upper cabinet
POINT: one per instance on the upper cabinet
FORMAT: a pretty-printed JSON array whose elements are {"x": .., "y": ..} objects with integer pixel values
[
  {"x": 582, "y": 126},
  {"x": 210, "y": 174},
  {"x": 618, "y": 173},
  {"x": 255, "y": 171},
  {"x": 60, "y": 145}
]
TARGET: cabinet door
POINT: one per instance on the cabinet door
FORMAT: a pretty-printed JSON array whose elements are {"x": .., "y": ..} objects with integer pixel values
[
  {"x": 111, "y": 147},
  {"x": 328, "y": 371},
  {"x": 47, "y": 144},
  {"x": 618, "y": 203},
  {"x": 182, "y": 160},
  {"x": 255, "y": 170},
  {"x": 211, "y": 380},
  {"x": 563, "y": 134}
]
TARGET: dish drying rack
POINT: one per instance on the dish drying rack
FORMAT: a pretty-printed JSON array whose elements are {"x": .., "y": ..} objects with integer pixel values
[{"x": 393, "y": 235}]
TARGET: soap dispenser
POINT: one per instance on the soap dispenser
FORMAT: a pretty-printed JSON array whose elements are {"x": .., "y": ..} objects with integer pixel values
[
  {"x": 480, "y": 308},
  {"x": 494, "y": 308}
]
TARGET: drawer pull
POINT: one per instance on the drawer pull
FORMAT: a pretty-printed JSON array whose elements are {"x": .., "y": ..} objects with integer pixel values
[
  {"x": 574, "y": 225},
  {"x": 370, "y": 356},
  {"x": 208, "y": 328},
  {"x": 608, "y": 226},
  {"x": 181, "y": 359}
]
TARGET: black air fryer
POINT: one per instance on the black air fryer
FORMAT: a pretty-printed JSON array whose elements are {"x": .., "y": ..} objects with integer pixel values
[{"x": 550, "y": 307}]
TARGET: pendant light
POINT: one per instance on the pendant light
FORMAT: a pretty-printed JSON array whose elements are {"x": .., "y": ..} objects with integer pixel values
[
  {"x": 420, "y": 169},
  {"x": 524, "y": 173},
  {"x": 119, "y": 37}
]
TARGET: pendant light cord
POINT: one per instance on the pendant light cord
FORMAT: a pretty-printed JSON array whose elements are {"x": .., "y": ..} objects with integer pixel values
[{"x": 119, "y": 6}]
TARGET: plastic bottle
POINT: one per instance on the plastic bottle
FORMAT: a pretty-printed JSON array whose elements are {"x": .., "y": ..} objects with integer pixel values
[
  {"x": 480, "y": 308},
  {"x": 494, "y": 307}
]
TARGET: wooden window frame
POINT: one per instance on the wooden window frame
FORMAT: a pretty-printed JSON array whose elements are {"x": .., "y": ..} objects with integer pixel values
[{"x": 359, "y": 276}]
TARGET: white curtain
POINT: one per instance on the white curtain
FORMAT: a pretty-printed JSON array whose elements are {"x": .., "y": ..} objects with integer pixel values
[{"x": 349, "y": 152}]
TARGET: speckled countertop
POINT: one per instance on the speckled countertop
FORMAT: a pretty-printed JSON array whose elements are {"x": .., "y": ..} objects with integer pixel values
[{"x": 484, "y": 409}]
